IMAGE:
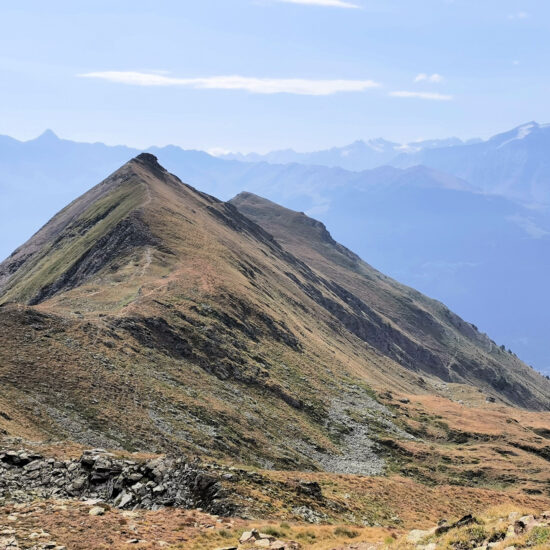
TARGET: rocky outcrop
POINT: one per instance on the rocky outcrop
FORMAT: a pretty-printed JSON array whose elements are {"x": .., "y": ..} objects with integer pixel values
[{"x": 125, "y": 484}]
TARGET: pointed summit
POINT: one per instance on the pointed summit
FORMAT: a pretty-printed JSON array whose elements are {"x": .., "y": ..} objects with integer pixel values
[
  {"x": 147, "y": 159},
  {"x": 82, "y": 239},
  {"x": 138, "y": 222},
  {"x": 47, "y": 135}
]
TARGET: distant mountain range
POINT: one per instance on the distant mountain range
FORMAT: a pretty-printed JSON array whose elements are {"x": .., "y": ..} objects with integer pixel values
[
  {"x": 46, "y": 172},
  {"x": 515, "y": 163},
  {"x": 486, "y": 256},
  {"x": 359, "y": 155}
]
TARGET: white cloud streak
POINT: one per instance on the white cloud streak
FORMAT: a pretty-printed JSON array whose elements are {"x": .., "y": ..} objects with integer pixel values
[
  {"x": 434, "y": 96},
  {"x": 296, "y": 86},
  {"x": 323, "y": 3},
  {"x": 433, "y": 78},
  {"x": 529, "y": 226},
  {"x": 518, "y": 15}
]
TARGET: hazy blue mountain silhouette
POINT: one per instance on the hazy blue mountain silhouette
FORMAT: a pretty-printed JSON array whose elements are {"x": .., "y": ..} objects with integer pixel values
[
  {"x": 514, "y": 163},
  {"x": 359, "y": 155}
]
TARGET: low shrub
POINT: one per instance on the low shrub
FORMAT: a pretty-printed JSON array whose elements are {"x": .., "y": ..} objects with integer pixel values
[
  {"x": 273, "y": 531},
  {"x": 346, "y": 532},
  {"x": 468, "y": 538}
]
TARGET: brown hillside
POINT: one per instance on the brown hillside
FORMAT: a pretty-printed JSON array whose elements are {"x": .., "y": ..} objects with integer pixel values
[
  {"x": 148, "y": 316},
  {"x": 419, "y": 333}
]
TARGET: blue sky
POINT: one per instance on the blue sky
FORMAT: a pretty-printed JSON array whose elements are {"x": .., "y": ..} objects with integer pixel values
[{"x": 246, "y": 75}]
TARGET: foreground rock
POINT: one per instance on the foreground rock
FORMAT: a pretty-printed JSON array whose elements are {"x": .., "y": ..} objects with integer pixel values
[
  {"x": 125, "y": 484},
  {"x": 471, "y": 533},
  {"x": 263, "y": 540}
]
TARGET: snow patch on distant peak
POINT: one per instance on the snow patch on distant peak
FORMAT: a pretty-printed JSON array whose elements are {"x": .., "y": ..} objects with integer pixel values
[
  {"x": 407, "y": 148},
  {"x": 526, "y": 129},
  {"x": 377, "y": 146},
  {"x": 220, "y": 152},
  {"x": 521, "y": 133}
]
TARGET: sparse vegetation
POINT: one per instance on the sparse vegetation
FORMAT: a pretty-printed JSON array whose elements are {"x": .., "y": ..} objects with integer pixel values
[
  {"x": 274, "y": 531},
  {"x": 346, "y": 532},
  {"x": 307, "y": 536},
  {"x": 539, "y": 535}
]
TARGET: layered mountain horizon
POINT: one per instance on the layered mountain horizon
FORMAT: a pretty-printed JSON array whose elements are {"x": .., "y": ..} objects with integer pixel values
[
  {"x": 481, "y": 162},
  {"x": 523, "y": 145},
  {"x": 274, "y": 274},
  {"x": 357, "y": 156},
  {"x": 484, "y": 254}
]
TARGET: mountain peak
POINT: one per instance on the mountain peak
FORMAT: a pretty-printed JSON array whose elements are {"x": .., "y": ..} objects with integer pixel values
[
  {"x": 297, "y": 227},
  {"x": 145, "y": 291},
  {"x": 518, "y": 133},
  {"x": 47, "y": 135},
  {"x": 527, "y": 127},
  {"x": 248, "y": 196},
  {"x": 151, "y": 164},
  {"x": 147, "y": 158},
  {"x": 100, "y": 230}
]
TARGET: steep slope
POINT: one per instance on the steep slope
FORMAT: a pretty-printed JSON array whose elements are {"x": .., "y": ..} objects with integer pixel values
[
  {"x": 47, "y": 173},
  {"x": 484, "y": 256},
  {"x": 419, "y": 333},
  {"x": 173, "y": 321},
  {"x": 148, "y": 316},
  {"x": 411, "y": 224}
]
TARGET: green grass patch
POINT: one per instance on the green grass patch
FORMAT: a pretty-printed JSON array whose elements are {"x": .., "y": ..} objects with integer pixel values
[{"x": 539, "y": 535}]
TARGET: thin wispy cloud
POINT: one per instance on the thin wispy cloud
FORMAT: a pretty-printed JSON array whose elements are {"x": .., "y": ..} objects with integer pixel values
[
  {"x": 432, "y": 78},
  {"x": 323, "y": 3},
  {"x": 433, "y": 96},
  {"x": 518, "y": 15},
  {"x": 296, "y": 86},
  {"x": 529, "y": 226}
]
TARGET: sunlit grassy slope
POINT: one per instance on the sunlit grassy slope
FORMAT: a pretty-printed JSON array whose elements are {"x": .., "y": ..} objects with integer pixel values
[{"x": 148, "y": 316}]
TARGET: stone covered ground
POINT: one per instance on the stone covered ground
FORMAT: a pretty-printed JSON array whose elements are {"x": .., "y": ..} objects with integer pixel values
[{"x": 101, "y": 501}]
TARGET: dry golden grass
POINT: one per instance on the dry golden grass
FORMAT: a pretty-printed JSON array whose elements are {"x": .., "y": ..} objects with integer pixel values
[
  {"x": 487, "y": 444},
  {"x": 69, "y": 523}
]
